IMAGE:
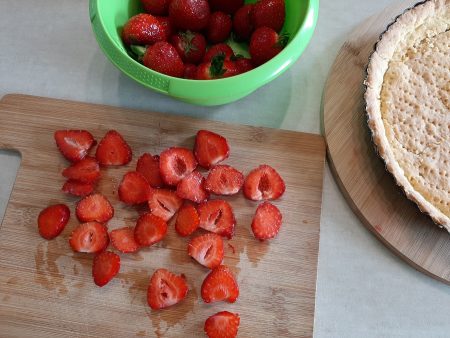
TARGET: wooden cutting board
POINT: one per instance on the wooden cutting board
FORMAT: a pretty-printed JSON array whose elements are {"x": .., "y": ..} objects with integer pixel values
[
  {"x": 369, "y": 188},
  {"x": 47, "y": 290}
]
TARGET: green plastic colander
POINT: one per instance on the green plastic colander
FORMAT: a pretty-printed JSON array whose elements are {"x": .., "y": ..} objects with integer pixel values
[{"x": 109, "y": 16}]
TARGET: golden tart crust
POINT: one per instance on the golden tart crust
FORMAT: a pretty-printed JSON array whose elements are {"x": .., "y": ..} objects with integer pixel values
[{"x": 408, "y": 105}]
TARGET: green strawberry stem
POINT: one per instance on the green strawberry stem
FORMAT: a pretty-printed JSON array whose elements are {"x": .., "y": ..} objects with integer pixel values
[
  {"x": 283, "y": 40},
  {"x": 137, "y": 52},
  {"x": 216, "y": 70}
]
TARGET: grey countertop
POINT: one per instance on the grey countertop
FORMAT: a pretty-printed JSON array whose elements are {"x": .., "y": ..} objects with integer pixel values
[{"x": 363, "y": 290}]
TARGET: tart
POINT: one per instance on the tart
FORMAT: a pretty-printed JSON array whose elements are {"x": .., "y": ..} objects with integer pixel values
[{"x": 408, "y": 105}]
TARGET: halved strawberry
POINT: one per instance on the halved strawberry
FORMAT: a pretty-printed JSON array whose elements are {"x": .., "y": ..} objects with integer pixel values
[
  {"x": 52, "y": 220},
  {"x": 77, "y": 188},
  {"x": 222, "y": 325},
  {"x": 263, "y": 183},
  {"x": 134, "y": 188},
  {"x": 123, "y": 240},
  {"x": 207, "y": 249},
  {"x": 150, "y": 229},
  {"x": 220, "y": 285},
  {"x": 187, "y": 220},
  {"x": 94, "y": 207},
  {"x": 210, "y": 148},
  {"x": 166, "y": 289},
  {"x": 105, "y": 267},
  {"x": 86, "y": 170},
  {"x": 217, "y": 216},
  {"x": 74, "y": 144},
  {"x": 91, "y": 237},
  {"x": 224, "y": 180},
  {"x": 175, "y": 164},
  {"x": 164, "y": 203},
  {"x": 267, "y": 221},
  {"x": 148, "y": 166},
  {"x": 113, "y": 150},
  {"x": 192, "y": 188}
]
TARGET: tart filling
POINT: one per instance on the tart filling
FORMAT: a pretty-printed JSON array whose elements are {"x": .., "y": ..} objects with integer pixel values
[{"x": 408, "y": 105}]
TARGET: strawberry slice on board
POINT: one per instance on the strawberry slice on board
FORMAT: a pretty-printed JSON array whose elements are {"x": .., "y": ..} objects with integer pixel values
[
  {"x": 175, "y": 164},
  {"x": 105, "y": 267},
  {"x": 210, "y": 148},
  {"x": 224, "y": 180},
  {"x": 217, "y": 216},
  {"x": 91, "y": 237},
  {"x": 222, "y": 325},
  {"x": 86, "y": 170},
  {"x": 95, "y": 207},
  {"x": 74, "y": 144},
  {"x": 166, "y": 289},
  {"x": 187, "y": 220},
  {"x": 220, "y": 285},
  {"x": 267, "y": 221},
  {"x": 52, "y": 220},
  {"x": 113, "y": 150},
  {"x": 148, "y": 166},
  {"x": 150, "y": 229},
  {"x": 134, "y": 188},
  {"x": 77, "y": 188},
  {"x": 123, "y": 240},
  {"x": 263, "y": 183},
  {"x": 192, "y": 188},
  {"x": 207, "y": 249},
  {"x": 164, "y": 203}
]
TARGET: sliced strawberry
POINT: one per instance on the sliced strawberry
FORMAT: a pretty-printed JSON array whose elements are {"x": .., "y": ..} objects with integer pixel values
[
  {"x": 220, "y": 285},
  {"x": 224, "y": 180},
  {"x": 113, "y": 150},
  {"x": 263, "y": 183},
  {"x": 105, "y": 267},
  {"x": 210, "y": 148},
  {"x": 52, "y": 220},
  {"x": 192, "y": 188},
  {"x": 134, "y": 188},
  {"x": 86, "y": 170},
  {"x": 123, "y": 240},
  {"x": 175, "y": 164},
  {"x": 150, "y": 229},
  {"x": 91, "y": 237},
  {"x": 187, "y": 220},
  {"x": 217, "y": 216},
  {"x": 74, "y": 144},
  {"x": 267, "y": 221},
  {"x": 94, "y": 207},
  {"x": 165, "y": 289},
  {"x": 77, "y": 188},
  {"x": 207, "y": 249},
  {"x": 164, "y": 203},
  {"x": 148, "y": 166},
  {"x": 222, "y": 325}
]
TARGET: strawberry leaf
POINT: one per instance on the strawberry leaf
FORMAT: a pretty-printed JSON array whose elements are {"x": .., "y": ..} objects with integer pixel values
[
  {"x": 216, "y": 70},
  {"x": 283, "y": 40}
]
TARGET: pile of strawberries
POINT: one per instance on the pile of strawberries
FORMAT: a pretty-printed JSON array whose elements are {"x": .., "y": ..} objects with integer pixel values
[
  {"x": 173, "y": 35},
  {"x": 170, "y": 184}
]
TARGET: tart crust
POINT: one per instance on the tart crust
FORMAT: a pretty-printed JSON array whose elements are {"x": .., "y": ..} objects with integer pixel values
[{"x": 408, "y": 105}]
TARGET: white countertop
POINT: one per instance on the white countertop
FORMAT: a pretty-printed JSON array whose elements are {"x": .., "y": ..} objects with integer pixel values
[{"x": 363, "y": 290}]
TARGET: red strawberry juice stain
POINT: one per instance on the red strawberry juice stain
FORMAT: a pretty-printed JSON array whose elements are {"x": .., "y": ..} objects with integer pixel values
[
  {"x": 232, "y": 248},
  {"x": 137, "y": 282},
  {"x": 6, "y": 298},
  {"x": 13, "y": 281},
  {"x": 141, "y": 333},
  {"x": 378, "y": 228}
]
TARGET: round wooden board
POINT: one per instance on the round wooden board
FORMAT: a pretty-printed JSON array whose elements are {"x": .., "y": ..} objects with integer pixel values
[{"x": 360, "y": 173}]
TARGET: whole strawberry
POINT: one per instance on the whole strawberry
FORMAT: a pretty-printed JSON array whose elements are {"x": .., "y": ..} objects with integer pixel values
[
  {"x": 220, "y": 48},
  {"x": 190, "y": 71},
  {"x": 142, "y": 29},
  {"x": 216, "y": 69},
  {"x": 243, "y": 64},
  {"x": 227, "y": 6},
  {"x": 242, "y": 24},
  {"x": 163, "y": 57},
  {"x": 269, "y": 13},
  {"x": 166, "y": 25},
  {"x": 189, "y": 14},
  {"x": 190, "y": 46},
  {"x": 219, "y": 27},
  {"x": 156, "y": 7},
  {"x": 265, "y": 43}
]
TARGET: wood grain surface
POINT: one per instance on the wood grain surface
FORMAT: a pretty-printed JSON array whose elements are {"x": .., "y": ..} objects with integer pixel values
[
  {"x": 46, "y": 290},
  {"x": 368, "y": 187}
]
